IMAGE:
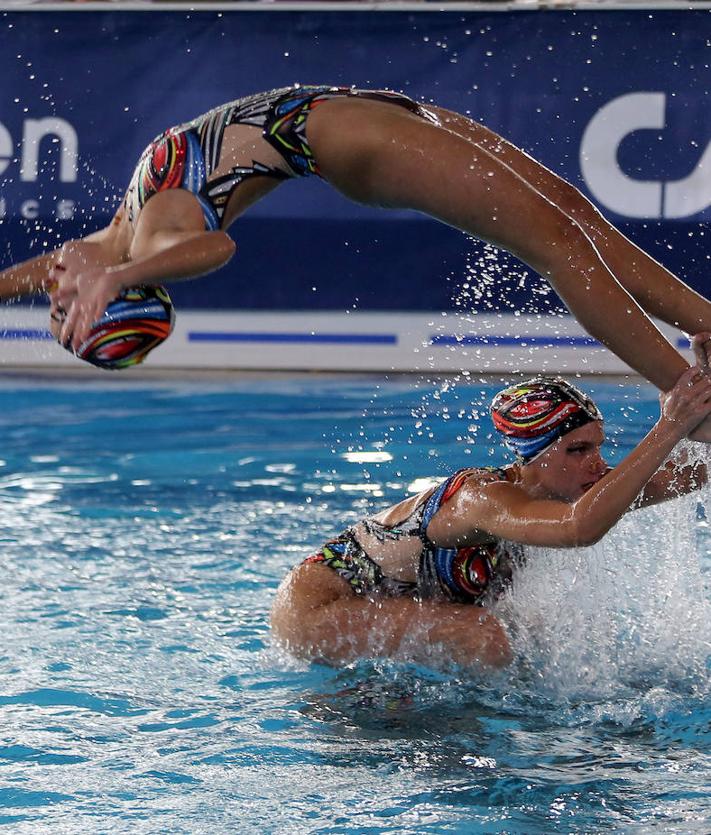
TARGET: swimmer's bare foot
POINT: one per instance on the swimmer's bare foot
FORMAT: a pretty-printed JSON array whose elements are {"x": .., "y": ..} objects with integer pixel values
[
  {"x": 701, "y": 345},
  {"x": 702, "y": 432}
]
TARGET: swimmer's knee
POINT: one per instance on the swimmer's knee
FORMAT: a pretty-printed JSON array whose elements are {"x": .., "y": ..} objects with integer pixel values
[
  {"x": 306, "y": 589},
  {"x": 487, "y": 643},
  {"x": 561, "y": 241},
  {"x": 473, "y": 637},
  {"x": 576, "y": 205}
]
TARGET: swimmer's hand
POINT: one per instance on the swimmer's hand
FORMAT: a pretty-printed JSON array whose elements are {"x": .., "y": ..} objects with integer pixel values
[
  {"x": 80, "y": 287},
  {"x": 701, "y": 345},
  {"x": 80, "y": 299},
  {"x": 688, "y": 403}
]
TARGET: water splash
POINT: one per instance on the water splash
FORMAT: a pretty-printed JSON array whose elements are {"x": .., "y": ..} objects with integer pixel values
[{"x": 620, "y": 630}]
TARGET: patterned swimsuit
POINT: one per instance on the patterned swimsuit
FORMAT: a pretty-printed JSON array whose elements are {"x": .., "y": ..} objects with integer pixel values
[
  {"x": 471, "y": 574},
  {"x": 187, "y": 155}
]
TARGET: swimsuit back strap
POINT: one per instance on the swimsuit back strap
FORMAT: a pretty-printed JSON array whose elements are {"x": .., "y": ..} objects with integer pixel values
[
  {"x": 460, "y": 574},
  {"x": 442, "y": 494}
]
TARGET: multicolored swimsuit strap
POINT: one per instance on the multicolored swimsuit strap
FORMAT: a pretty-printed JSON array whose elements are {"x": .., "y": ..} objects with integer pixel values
[
  {"x": 442, "y": 494},
  {"x": 463, "y": 575}
]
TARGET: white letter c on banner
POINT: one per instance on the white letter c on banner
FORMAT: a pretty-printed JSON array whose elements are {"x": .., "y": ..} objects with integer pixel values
[
  {"x": 598, "y": 154},
  {"x": 625, "y": 195}
]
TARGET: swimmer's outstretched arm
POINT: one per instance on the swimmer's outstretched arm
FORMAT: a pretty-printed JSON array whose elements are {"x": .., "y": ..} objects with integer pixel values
[
  {"x": 27, "y": 277},
  {"x": 156, "y": 258},
  {"x": 33, "y": 275},
  {"x": 508, "y": 512}
]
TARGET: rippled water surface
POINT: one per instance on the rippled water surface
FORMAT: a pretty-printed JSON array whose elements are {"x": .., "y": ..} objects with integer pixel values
[{"x": 144, "y": 531}]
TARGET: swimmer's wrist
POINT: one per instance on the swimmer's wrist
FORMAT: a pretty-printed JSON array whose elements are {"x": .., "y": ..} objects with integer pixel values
[
  {"x": 123, "y": 276},
  {"x": 667, "y": 426},
  {"x": 675, "y": 427}
]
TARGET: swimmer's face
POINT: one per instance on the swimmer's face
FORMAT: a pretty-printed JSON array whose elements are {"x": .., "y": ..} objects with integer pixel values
[{"x": 573, "y": 464}]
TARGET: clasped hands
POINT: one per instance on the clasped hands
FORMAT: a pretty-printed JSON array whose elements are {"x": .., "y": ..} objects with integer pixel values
[{"x": 80, "y": 289}]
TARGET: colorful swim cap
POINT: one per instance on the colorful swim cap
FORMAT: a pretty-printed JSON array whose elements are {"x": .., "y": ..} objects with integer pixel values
[
  {"x": 133, "y": 325},
  {"x": 534, "y": 414}
]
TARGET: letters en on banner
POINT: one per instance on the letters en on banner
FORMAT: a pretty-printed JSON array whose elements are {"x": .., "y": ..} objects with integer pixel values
[{"x": 616, "y": 101}]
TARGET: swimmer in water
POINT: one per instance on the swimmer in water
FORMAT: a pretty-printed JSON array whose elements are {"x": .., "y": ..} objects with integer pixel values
[
  {"x": 416, "y": 581},
  {"x": 382, "y": 149}
]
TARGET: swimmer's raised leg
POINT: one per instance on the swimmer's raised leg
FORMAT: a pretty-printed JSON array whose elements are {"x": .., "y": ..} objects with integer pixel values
[
  {"x": 317, "y": 616},
  {"x": 658, "y": 291},
  {"x": 396, "y": 159}
]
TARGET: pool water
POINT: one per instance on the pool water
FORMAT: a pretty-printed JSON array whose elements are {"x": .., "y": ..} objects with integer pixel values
[{"x": 144, "y": 531}]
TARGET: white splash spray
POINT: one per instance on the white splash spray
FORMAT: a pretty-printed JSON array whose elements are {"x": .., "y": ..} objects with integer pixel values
[{"x": 629, "y": 615}]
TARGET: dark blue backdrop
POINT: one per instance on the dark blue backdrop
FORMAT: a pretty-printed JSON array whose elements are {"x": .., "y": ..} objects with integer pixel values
[{"x": 118, "y": 78}]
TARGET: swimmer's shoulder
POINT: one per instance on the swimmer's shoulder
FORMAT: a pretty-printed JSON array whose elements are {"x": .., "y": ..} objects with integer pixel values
[
  {"x": 477, "y": 477},
  {"x": 475, "y": 495},
  {"x": 479, "y": 486},
  {"x": 464, "y": 482}
]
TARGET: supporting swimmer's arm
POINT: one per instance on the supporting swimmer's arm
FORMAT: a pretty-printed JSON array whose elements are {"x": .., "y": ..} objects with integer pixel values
[
  {"x": 607, "y": 501},
  {"x": 513, "y": 515},
  {"x": 506, "y": 511}
]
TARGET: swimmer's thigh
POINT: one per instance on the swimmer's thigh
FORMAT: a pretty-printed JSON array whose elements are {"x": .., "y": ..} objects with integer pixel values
[
  {"x": 303, "y": 594},
  {"x": 383, "y": 155},
  {"x": 317, "y": 616}
]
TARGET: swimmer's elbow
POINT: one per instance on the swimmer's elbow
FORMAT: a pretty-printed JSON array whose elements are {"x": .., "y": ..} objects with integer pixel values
[
  {"x": 209, "y": 251},
  {"x": 586, "y": 541},
  {"x": 586, "y": 532},
  {"x": 224, "y": 247}
]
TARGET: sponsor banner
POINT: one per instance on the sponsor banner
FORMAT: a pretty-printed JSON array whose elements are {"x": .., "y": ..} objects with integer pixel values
[
  {"x": 399, "y": 342},
  {"x": 616, "y": 101}
]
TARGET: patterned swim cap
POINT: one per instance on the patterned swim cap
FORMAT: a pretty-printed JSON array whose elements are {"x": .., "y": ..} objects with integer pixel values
[
  {"x": 534, "y": 414},
  {"x": 133, "y": 325}
]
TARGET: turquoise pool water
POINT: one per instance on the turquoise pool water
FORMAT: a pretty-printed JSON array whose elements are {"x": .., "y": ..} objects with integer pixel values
[{"x": 144, "y": 531}]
